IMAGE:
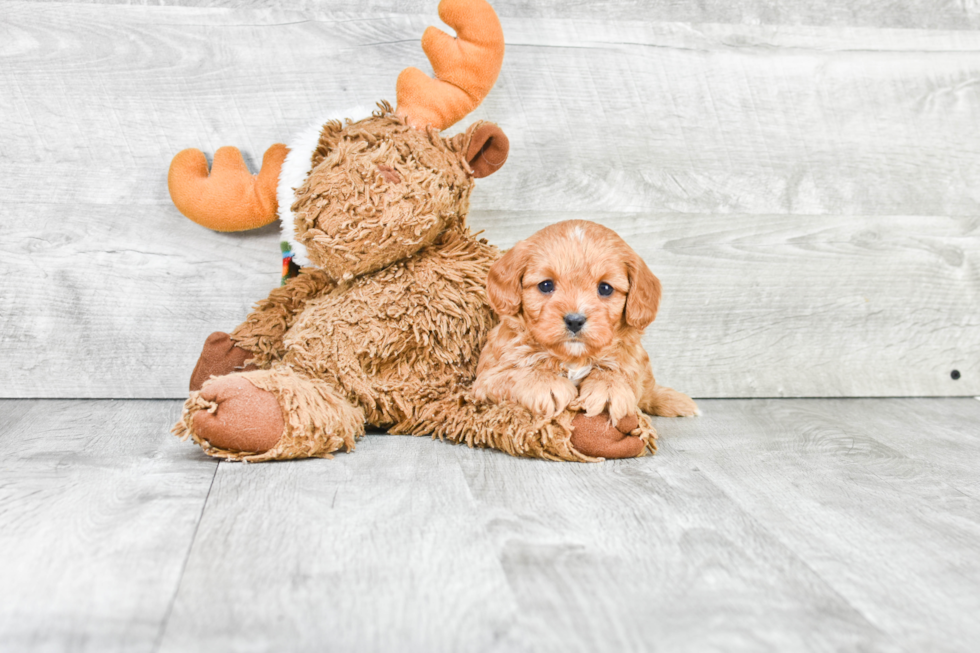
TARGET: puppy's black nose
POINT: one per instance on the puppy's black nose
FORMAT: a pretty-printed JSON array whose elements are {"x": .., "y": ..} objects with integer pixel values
[{"x": 574, "y": 322}]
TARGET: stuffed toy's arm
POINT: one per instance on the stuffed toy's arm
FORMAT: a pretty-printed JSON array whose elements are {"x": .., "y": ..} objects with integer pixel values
[{"x": 262, "y": 331}]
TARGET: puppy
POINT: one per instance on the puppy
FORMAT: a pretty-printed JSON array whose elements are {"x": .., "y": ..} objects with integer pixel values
[{"x": 573, "y": 301}]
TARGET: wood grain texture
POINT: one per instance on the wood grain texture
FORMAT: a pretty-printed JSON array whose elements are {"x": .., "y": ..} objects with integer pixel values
[
  {"x": 776, "y": 175},
  {"x": 778, "y": 525},
  {"x": 413, "y": 545},
  {"x": 117, "y": 301},
  {"x": 382, "y": 549},
  {"x": 941, "y": 438},
  {"x": 891, "y": 530},
  {"x": 650, "y": 555},
  {"x": 767, "y": 525},
  {"x": 753, "y": 305},
  {"x": 98, "y": 507},
  {"x": 717, "y": 118},
  {"x": 934, "y": 14}
]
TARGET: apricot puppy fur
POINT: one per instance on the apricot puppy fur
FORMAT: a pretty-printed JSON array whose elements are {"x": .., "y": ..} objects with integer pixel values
[{"x": 574, "y": 300}]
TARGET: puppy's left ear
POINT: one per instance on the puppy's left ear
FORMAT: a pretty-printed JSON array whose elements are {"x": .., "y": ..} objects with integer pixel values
[
  {"x": 643, "y": 298},
  {"x": 504, "y": 280}
]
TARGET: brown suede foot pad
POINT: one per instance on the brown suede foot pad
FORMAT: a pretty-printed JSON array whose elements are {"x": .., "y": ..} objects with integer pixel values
[
  {"x": 241, "y": 417},
  {"x": 595, "y": 436},
  {"x": 219, "y": 357}
]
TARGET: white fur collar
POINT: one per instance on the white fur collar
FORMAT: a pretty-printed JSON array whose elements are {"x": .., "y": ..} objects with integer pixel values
[{"x": 295, "y": 169}]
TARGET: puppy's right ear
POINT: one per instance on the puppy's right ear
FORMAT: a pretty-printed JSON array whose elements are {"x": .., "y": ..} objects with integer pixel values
[{"x": 504, "y": 280}]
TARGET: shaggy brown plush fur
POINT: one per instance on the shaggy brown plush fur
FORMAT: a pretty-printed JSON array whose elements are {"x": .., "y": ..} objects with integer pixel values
[{"x": 388, "y": 328}]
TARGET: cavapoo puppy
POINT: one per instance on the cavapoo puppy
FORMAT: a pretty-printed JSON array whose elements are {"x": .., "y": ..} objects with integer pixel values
[{"x": 573, "y": 301}]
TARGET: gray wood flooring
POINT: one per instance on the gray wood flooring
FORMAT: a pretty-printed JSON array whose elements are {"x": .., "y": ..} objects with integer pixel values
[{"x": 765, "y": 525}]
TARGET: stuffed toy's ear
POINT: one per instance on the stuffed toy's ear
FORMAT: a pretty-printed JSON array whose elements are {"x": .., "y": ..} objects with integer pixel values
[
  {"x": 487, "y": 150},
  {"x": 504, "y": 280},
  {"x": 231, "y": 198},
  {"x": 643, "y": 297}
]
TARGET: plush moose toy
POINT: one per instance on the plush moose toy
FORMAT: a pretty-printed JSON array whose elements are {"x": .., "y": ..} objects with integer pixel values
[{"x": 385, "y": 321}]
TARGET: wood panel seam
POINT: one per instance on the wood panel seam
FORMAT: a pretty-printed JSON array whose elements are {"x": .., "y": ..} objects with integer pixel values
[
  {"x": 790, "y": 552},
  {"x": 183, "y": 567}
]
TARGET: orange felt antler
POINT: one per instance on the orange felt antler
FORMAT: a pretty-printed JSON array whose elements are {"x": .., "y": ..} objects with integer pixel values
[
  {"x": 231, "y": 198},
  {"x": 466, "y": 67}
]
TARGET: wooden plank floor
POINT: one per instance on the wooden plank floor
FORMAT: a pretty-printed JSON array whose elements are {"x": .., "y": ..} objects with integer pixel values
[{"x": 783, "y": 525}]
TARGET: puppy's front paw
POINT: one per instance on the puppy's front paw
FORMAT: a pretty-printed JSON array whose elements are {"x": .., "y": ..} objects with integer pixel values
[
  {"x": 546, "y": 396},
  {"x": 602, "y": 395}
]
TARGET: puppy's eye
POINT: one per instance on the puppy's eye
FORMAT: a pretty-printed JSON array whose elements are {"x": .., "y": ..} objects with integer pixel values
[
  {"x": 546, "y": 286},
  {"x": 605, "y": 289}
]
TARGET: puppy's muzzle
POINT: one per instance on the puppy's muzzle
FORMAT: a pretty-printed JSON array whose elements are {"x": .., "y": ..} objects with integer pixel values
[{"x": 574, "y": 322}]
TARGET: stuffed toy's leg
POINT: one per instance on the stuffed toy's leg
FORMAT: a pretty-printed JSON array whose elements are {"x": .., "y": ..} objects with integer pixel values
[
  {"x": 513, "y": 429},
  {"x": 257, "y": 342},
  {"x": 272, "y": 414}
]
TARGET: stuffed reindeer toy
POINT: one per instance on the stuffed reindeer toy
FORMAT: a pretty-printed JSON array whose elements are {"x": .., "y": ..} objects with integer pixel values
[{"x": 384, "y": 324}]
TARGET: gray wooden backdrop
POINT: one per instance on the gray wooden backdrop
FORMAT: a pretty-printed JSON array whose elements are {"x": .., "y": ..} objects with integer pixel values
[{"x": 803, "y": 175}]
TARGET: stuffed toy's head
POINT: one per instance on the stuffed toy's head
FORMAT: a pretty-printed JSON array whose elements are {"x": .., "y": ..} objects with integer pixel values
[{"x": 379, "y": 189}]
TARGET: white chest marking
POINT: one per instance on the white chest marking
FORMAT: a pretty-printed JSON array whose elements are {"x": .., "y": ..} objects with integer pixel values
[{"x": 576, "y": 374}]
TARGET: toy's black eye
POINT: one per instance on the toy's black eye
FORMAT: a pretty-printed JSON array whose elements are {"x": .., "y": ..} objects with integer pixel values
[
  {"x": 605, "y": 289},
  {"x": 546, "y": 286}
]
